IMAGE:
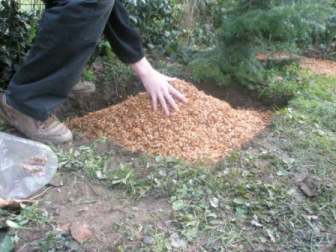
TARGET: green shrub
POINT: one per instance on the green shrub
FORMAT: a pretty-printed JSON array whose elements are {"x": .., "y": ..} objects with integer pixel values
[
  {"x": 157, "y": 20},
  {"x": 282, "y": 84},
  {"x": 201, "y": 19},
  {"x": 207, "y": 69},
  {"x": 325, "y": 39},
  {"x": 15, "y": 38}
]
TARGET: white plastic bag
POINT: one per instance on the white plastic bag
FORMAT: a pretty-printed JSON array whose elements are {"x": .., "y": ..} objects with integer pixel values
[{"x": 25, "y": 167}]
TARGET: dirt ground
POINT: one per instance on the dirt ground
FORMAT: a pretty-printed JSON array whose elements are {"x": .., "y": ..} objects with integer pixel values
[{"x": 110, "y": 215}]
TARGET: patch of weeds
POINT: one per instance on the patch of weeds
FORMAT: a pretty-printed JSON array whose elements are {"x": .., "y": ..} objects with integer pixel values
[
  {"x": 28, "y": 215},
  {"x": 317, "y": 104},
  {"x": 282, "y": 84},
  {"x": 153, "y": 177},
  {"x": 161, "y": 242},
  {"x": 309, "y": 124},
  {"x": 56, "y": 242},
  {"x": 89, "y": 75},
  {"x": 31, "y": 214},
  {"x": 13, "y": 222},
  {"x": 124, "y": 177},
  {"x": 306, "y": 131},
  {"x": 84, "y": 158}
]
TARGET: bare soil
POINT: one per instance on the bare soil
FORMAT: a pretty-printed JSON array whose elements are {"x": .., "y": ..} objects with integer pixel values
[{"x": 111, "y": 215}]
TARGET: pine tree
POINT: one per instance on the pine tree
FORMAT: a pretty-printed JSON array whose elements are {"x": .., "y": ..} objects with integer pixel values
[{"x": 254, "y": 26}]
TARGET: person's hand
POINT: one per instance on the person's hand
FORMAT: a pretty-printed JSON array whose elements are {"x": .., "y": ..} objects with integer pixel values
[{"x": 158, "y": 87}]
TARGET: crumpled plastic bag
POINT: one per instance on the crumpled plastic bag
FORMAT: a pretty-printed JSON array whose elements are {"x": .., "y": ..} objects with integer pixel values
[{"x": 25, "y": 167}]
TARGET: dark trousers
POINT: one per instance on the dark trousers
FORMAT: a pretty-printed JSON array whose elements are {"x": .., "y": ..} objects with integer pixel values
[{"x": 68, "y": 34}]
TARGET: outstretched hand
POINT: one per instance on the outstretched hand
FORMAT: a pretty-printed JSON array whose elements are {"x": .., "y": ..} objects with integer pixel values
[{"x": 158, "y": 87}]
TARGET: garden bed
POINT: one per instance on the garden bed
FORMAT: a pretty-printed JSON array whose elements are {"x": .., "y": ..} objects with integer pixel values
[{"x": 205, "y": 129}]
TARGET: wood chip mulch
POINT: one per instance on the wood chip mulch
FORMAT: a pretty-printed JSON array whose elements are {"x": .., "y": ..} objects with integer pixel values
[
  {"x": 205, "y": 128},
  {"x": 319, "y": 66}
]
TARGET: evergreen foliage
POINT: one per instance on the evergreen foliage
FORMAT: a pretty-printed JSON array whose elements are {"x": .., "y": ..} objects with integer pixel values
[
  {"x": 267, "y": 26},
  {"x": 15, "y": 37}
]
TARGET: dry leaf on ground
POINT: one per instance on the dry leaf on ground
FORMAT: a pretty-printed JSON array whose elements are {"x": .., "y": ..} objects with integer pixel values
[{"x": 80, "y": 232}]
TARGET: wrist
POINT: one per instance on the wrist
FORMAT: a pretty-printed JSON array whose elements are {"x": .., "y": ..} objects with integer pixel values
[{"x": 142, "y": 68}]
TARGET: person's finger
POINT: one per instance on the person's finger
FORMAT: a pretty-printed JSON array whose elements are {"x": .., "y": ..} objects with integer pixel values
[
  {"x": 164, "y": 104},
  {"x": 171, "y": 101},
  {"x": 177, "y": 94},
  {"x": 154, "y": 102}
]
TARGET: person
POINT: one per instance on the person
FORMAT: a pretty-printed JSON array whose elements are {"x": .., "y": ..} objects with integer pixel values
[{"x": 69, "y": 31}]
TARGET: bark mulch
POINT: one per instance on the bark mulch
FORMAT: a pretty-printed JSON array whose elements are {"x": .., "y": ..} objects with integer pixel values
[
  {"x": 319, "y": 66},
  {"x": 205, "y": 128}
]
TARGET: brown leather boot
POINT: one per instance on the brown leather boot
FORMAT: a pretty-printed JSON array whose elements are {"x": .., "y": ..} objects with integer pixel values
[
  {"x": 51, "y": 131},
  {"x": 83, "y": 88}
]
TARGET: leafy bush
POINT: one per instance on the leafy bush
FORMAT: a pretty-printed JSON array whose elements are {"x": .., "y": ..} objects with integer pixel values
[
  {"x": 201, "y": 18},
  {"x": 15, "y": 38},
  {"x": 325, "y": 39},
  {"x": 157, "y": 21},
  {"x": 254, "y": 26}
]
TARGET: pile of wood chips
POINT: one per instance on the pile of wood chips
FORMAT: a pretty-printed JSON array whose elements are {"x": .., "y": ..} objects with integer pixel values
[{"x": 205, "y": 128}]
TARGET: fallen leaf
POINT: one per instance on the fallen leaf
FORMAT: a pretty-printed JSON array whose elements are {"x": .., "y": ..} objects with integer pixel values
[
  {"x": 256, "y": 223},
  {"x": 80, "y": 232},
  {"x": 309, "y": 185},
  {"x": 65, "y": 228},
  {"x": 270, "y": 235},
  {"x": 214, "y": 202},
  {"x": 13, "y": 224},
  {"x": 311, "y": 217},
  {"x": 100, "y": 175}
]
